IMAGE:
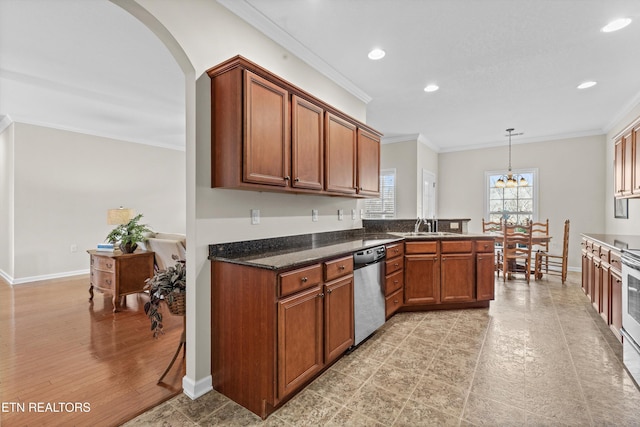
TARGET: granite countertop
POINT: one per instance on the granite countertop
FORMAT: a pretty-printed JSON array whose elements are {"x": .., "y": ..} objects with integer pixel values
[
  {"x": 295, "y": 251},
  {"x": 309, "y": 253},
  {"x": 615, "y": 241}
]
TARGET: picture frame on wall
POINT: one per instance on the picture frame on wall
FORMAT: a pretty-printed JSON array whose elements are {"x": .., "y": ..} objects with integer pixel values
[{"x": 621, "y": 208}]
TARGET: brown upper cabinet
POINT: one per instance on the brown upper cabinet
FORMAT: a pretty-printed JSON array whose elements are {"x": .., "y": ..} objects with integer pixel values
[
  {"x": 269, "y": 135},
  {"x": 627, "y": 162}
]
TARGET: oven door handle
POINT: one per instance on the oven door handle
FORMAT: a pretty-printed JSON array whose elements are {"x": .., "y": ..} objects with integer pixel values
[
  {"x": 629, "y": 262},
  {"x": 628, "y": 339}
]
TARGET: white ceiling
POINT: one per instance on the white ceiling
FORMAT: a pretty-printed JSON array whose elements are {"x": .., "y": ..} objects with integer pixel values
[{"x": 89, "y": 66}]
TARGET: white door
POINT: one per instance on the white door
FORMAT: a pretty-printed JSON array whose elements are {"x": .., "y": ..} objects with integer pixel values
[{"x": 428, "y": 194}]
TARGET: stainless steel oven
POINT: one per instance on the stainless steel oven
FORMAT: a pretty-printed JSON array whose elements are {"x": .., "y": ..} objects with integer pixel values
[{"x": 631, "y": 312}]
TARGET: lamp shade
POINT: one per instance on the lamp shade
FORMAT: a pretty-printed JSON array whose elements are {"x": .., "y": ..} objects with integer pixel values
[{"x": 119, "y": 216}]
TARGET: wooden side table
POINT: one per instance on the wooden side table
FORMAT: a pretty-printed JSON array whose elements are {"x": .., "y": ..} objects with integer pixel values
[{"x": 119, "y": 274}]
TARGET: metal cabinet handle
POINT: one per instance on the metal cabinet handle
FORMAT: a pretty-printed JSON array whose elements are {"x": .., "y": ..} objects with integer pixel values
[
  {"x": 321, "y": 295},
  {"x": 304, "y": 279},
  {"x": 329, "y": 291},
  {"x": 287, "y": 178},
  {"x": 297, "y": 180},
  {"x": 109, "y": 265},
  {"x": 342, "y": 267},
  {"x": 108, "y": 281}
]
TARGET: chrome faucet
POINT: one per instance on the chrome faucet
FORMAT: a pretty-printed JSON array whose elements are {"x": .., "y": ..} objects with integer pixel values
[{"x": 416, "y": 227}]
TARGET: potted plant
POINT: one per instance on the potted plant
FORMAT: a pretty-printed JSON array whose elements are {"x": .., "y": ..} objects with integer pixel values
[
  {"x": 128, "y": 235},
  {"x": 169, "y": 285}
]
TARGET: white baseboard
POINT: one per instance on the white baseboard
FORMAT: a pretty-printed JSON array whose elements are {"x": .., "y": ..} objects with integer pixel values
[
  {"x": 13, "y": 281},
  {"x": 195, "y": 389}
]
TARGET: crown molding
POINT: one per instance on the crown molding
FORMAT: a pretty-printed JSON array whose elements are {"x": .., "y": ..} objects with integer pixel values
[
  {"x": 410, "y": 138},
  {"x": 263, "y": 24},
  {"x": 5, "y": 122}
]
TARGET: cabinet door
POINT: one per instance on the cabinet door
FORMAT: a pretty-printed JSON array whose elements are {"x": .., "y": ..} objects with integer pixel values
[
  {"x": 368, "y": 164},
  {"x": 340, "y": 155},
  {"x": 338, "y": 317},
  {"x": 605, "y": 311},
  {"x": 421, "y": 279},
  {"x": 300, "y": 328},
  {"x": 585, "y": 272},
  {"x": 266, "y": 157},
  {"x": 485, "y": 270},
  {"x": 596, "y": 296},
  {"x": 616, "y": 303},
  {"x": 307, "y": 136},
  {"x": 457, "y": 278},
  {"x": 635, "y": 140}
]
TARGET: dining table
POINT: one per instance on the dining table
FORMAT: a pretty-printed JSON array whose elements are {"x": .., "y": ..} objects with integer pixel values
[{"x": 536, "y": 239}]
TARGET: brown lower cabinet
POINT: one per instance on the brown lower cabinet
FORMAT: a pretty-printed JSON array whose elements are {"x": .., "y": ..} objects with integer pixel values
[
  {"x": 448, "y": 272},
  {"x": 274, "y": 332},
  {"x": 602, "y": 281}
]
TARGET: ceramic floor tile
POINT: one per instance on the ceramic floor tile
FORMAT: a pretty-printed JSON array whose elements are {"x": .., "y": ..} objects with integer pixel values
[
  {"x": 395, "y": 380},
  {"x": 485, "y": 412},
  {"x": 441, "y": 396},
  {"x": 336, "y": 386},
  {"x": 414, "y": 414},
  {"x": 308, "y": 408},
  {"x": 377, "y": 403},
  {"x": 538, "y": 356},
  {"x": 200, "y": 408}
]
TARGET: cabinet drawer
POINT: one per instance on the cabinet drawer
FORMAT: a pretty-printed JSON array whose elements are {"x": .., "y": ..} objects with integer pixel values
[
  {"x": 395, "y": 250},
  {"x": 300, "y": 279},
  {"x": 103, "y": 263},
  {"x": 604, "y": 254},
  {"x": 485, "y": 245},
  {"x": 103, "y": 279},
  {"x": 338, "y": 268},
  {"x": 393, "y": 302},
  {"x": 393, "y": 265},
  {"x": 393, "y": 282},
  {"x": 421, "y": 247},
  {"x": 614, "y": 260},
  {"x": 456, "y": 246}
]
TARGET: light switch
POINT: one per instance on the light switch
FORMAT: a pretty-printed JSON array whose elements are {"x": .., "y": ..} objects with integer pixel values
[
  {"x": 353, "y": 214},
  {"x": 255, "y": 216},
  {"x": 340, "y": 214}
]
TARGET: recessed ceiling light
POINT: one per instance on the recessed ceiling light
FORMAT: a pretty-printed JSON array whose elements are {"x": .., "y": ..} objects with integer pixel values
[
  {"x": 376, "y": 54},
  {"x": 585, "y": 85},
  {"x": 616, "y": 25},
  {"x": 431, "y": 88}
]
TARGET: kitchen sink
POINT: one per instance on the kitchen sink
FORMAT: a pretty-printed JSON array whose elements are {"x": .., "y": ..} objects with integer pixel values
[{"x": 426, "y": 234}]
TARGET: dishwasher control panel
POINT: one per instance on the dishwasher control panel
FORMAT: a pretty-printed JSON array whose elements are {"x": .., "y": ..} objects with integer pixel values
[{"x": 367, "y": 256}]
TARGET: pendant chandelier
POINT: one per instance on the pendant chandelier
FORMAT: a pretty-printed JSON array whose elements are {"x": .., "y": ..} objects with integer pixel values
[{"x": 510, "y": 180}]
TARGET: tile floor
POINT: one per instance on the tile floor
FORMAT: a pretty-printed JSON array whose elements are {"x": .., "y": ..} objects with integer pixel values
[{"x": 538, "y": 356}]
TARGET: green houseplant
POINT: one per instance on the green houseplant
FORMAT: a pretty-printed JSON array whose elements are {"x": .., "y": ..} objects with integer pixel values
[
  {"x": 128, "y": 235},
  {"x": 170, "y": 285}
]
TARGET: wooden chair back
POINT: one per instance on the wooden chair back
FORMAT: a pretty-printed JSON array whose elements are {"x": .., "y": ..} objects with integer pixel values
[
  {"x": 554, "y": 264},
  {"x": 517, "y": 249},
  {"x": 541, "y": 228},
  {"x": 489, "y": 226}
]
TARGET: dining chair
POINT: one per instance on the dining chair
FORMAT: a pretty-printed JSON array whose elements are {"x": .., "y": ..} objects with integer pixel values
[
  {"x": 554, "y": 264},
  {"x": 516, "y": 250},
  {"x": 541, "y": 228},
  {"x": 489, "y": 227}
]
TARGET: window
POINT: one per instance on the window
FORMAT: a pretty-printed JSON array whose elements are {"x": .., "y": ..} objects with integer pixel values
[
  {"x": 516, "y": 204},
  {"x": 385, "y": 206}
]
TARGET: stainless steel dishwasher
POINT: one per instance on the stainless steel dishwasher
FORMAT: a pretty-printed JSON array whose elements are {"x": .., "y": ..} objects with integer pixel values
[{"x": 368, "y": 292}]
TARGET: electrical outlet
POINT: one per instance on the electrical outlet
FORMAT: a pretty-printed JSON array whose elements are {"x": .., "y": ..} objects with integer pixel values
[
  {"x": 340, "y": 214},
  {"x": 353, "y": 214},
  {"x": 361, "y": 213},
  {"x": 73, "y": 248},
  {"x": 255, "y": 216},
  {"x": 314, "y": 215}
]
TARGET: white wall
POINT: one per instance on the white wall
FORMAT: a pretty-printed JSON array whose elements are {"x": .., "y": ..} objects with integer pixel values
[
  {"x": 408, "y": 158},
  {"x": 571, "y": 185},
  {"x": 618, "y": 225},
  {"x": 64, "y": 184},
  {"x": 208, "y": 34},
  {"x": 6, "y": 200}
]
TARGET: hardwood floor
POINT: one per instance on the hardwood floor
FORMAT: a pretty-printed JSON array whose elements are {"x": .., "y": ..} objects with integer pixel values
[{"x": 66, "y": 361}]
